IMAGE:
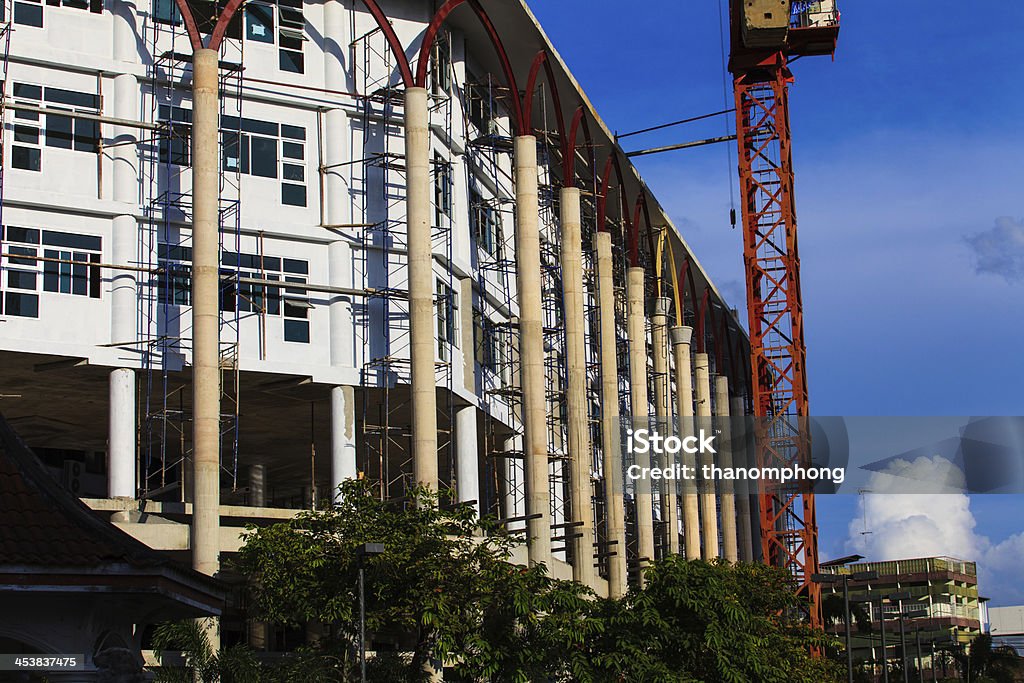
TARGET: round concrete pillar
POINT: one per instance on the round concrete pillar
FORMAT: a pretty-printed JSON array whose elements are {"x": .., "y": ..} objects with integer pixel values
[
  {"x": 467, "y": 457},
  {"x": 708, "y": 496},
  {"x": 681, "y": 337},
  {"x": 636, "y": 329},
  {"x": 121, "y": 440}
]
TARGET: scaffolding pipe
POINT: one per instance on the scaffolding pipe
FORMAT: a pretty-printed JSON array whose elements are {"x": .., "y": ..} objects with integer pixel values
[
  {"x": 659, "y": 348},
  {"x": 531, "y": 351},
  {"x": 611, "y": 446},
  {"x": 730, "y": 546},
  {"x": 681, "y": 337},
  {"x": 708, "y": 498},
  {"x": 576, "y": 385},
  {"x": 205, "y": 313},
  {"x": 421, "y": 289}
]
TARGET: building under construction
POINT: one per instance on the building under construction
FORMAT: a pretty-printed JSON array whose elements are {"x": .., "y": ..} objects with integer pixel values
[{"x": 252, "y": 250}]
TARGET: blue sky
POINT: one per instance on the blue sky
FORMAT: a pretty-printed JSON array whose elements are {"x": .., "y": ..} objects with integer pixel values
[{"x": 907, "y": 150}]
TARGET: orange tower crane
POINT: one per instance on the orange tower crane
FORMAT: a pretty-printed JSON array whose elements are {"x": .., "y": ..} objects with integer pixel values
[{"x": 766, "y": 36}]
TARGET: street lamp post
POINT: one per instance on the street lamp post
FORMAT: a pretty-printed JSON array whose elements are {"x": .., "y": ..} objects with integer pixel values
[
  {"x": 881, "y": 622},
  {"x": 845, "y": 580},
  {"x": 920, "y": 661},
  {"x": 362, "y": 552}
]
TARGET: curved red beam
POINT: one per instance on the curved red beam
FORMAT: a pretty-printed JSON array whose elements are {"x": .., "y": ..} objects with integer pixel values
[
  {"x": 700, "y": 319},
  {"x": 579, "y": 120},
  {"x": 194, "y": 37},
  {"x": 541, "y": 60},
  {"x": 223, "y": 19},
  {"x": 393, "y": 42},
  {"x": 641, "y": 203},
  {"x": 430, "y": 36}
]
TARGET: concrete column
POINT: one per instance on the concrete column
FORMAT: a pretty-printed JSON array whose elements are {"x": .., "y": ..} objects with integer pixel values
[
  {"x": 708, "y": 498},
  {"x": 684, "y": 407},
  {"x": 531, "y": 350},
  {"x": 744, "y": 535},
  {"x": 576, "y": 385},
  {"x": 730, "y": 545},
  {"x": 121, "y": 445},
  {"x": 611, "y": 437},
  {"x": 659, "y": 349},
  {"x": 205, "y": 313},
  {"x": 257, "y": 486},
  {"x": 467, "y": 458},
  {"x": 343, "y": 437},
  {"x": 121, "y": 442},
  {"x": 421, "y": 288},
  {"x": 636, "y": 329}
]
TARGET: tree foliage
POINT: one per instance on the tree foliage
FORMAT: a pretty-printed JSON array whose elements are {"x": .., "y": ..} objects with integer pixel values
[{"x": 445, "y": 590}]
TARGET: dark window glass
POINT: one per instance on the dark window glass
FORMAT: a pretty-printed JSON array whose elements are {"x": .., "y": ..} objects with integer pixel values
[
  {"x": 292, "y": 17},
  {"x": 293, "y": 172},
  {"x": 27, "y": 235},
  {"x": 58, "y": 131},
  {"x": 228, "y": 293},
  {"x": 77, "y": 4},
  {"x": 72, "y": 97},
  {"x": 166, "y": 11},
  {"x": 293, "y": 132},
  {"x": 96, "y": 6},
  {"x": 28, "y": 92},
  {"x": 293, "y": 195},
  {"x": 87, "y": 134},
  {"x": 291, "y": 61},
  {"x": 236, "y": 152},
  {"x": 259, "y": 23},
  {"x": 28, "y": 158},
  {"x": 94, "y": 277},
  {"x": 51, "y": 272},
  {"x": 80, "y": 275},
  {"x": 24, "y": 251},
  {"x": 25, "y": 305},
  {"x": 67, "y": 239},
  {"x": 291, "y": 150},
  {"x": 260, "y": 127},
  {"x": 29, "y": 14},
  {"x": 28, "y": 134},
  {"x": 296, "y": 331},
  {"x": 19, "y": 279},
  {"x": 297, "y": 266},
  {"x": 263, "y": 157},
  {"x": 175, "y": 145}
]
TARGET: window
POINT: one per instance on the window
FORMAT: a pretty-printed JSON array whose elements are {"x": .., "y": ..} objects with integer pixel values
[
  {"x": 447, "y": 314},
  {"x": 175, "y": 142},
  {"x": 25, "y": 152},
  {"x": 442, "y": 190},
  {"x": 290, "y": 35},
  {"x": 492, "y": 346},
  {"x": 253, "y": 148},
  {"x": 28, "y": 13},
  {"x": 70, "y": 272},
  {"x": 481, "y": 109},
  {"x": 259, "y": 23},
  {"x": 485, "y": 223},
  {"x": 296, "y": 305},
  {"x": 166, "y": 12},
  {"x": 174, "y": 286},
  {"x": 293, "y": 168},
  {"x": 441, "y": 66}
]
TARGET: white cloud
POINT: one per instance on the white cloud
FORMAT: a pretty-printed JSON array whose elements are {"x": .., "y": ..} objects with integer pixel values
[{"x": 910, "y": 525}]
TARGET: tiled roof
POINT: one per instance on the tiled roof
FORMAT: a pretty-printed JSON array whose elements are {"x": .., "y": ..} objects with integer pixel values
[{"x": 42, "y": 524}]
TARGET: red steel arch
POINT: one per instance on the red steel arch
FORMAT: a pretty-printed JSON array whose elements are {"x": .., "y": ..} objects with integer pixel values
[
  {"x": 579, "y": 120},
  {"x": 506, "y": 65},
  {"x": 531, "y": 87}
]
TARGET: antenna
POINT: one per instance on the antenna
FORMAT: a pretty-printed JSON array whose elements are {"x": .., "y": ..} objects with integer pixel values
[{"x": 864, "y": 508}]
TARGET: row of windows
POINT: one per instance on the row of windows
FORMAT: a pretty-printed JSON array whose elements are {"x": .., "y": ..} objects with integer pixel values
[
  {"x": 61, "y": 131},
  {"x": 30, "y": 12},
  {"x": 65, "y": 268},
  {"x": 269, "y": 22},
  {"x": 243, "y": 297},
  {"x": 249, "y": 146}
]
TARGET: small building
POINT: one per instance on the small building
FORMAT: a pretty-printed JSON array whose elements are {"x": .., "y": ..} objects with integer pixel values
[
  {"x": 74, "y": 586},
  {"x": 1006, "y": 626},
  {"x": 943, "y": 606}
]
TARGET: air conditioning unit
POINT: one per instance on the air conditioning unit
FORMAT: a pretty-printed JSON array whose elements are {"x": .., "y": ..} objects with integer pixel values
[{"x": 72, "y": 479}]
